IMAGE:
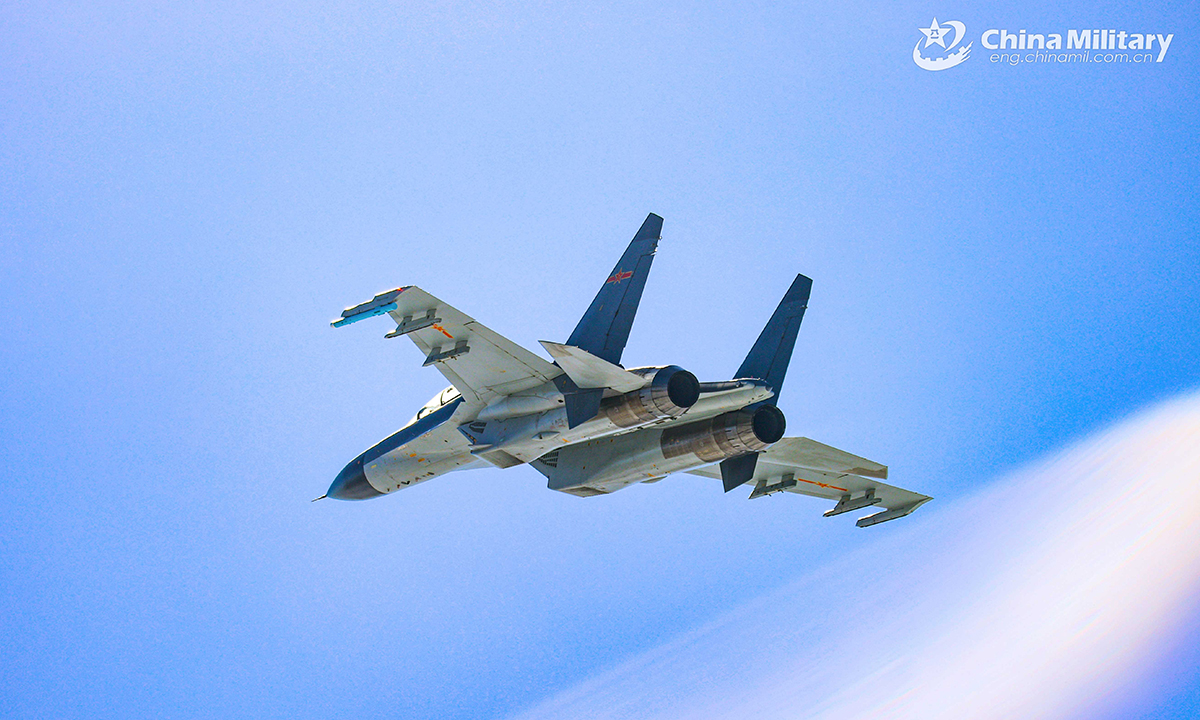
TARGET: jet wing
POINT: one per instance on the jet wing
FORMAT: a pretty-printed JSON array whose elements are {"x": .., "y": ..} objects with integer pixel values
[
  {"x": 480, "y": 363},
  {"x": 807, "y": 467}
]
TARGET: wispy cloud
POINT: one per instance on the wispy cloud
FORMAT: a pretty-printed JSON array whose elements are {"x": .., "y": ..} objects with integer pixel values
[{"x": 1047, "y": 591}]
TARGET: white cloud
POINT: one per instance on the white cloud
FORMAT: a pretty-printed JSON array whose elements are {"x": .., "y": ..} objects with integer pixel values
[{"x": 1047, "y": 591}]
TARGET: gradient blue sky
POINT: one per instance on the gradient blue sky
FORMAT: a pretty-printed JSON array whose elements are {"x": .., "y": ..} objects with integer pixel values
[{"x": 1004, "y": 259}]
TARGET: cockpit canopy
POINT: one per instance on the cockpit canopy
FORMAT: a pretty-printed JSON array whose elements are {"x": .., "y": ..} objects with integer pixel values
[{"x": 438, "y": 401}]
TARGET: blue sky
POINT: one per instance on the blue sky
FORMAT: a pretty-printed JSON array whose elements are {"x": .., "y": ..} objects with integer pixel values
[{"x": 1004, "y": 259}]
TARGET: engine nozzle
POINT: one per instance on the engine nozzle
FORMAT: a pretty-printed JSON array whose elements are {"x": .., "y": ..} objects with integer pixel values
[
  {"x": 725, "y": 436},
  {"x": 671, "y": 391}
]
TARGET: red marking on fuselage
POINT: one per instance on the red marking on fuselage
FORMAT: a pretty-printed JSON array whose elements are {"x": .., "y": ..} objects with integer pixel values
[{"x": 618, "y": 276}]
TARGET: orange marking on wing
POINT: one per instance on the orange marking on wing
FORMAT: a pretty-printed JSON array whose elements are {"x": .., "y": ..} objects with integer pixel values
[
  {"x": 824, "y": 485},
  {"x": 443, "y": 330}
]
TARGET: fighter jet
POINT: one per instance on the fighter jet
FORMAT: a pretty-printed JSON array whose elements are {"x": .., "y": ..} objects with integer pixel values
[{"x": 592, "y": 426}]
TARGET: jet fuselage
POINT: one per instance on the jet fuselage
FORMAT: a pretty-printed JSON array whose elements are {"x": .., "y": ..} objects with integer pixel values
[{"x": 525, "y": 426}]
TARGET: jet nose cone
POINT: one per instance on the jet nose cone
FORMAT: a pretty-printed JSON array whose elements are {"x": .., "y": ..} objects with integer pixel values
[{"x": 351, "y": 483}]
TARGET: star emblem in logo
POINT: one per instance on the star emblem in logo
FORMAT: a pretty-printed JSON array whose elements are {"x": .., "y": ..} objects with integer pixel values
[
  {"x": 938, "y": 34},
  {"x": 935, "y": 34}
]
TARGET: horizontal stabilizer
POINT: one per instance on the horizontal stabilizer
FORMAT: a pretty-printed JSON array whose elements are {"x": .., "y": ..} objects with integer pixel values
[{"x": 588, "y": 371}]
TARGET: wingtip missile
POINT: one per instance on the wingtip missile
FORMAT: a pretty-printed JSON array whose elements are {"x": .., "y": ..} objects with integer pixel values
[
  {"x": 892, "y": 514},
  {"x": 382, "y": 309},
  {"x": 378, "y": 305}
]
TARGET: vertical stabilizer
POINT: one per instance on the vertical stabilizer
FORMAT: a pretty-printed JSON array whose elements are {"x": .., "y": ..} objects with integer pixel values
[
  {"x": 604, "y": 328},
  {"x": 768, "y": 359}
]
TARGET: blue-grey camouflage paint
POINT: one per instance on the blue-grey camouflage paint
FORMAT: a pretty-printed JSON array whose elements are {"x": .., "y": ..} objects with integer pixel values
[{"x": 604, "y": 328}]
